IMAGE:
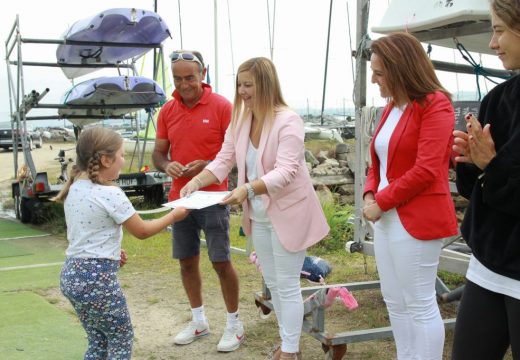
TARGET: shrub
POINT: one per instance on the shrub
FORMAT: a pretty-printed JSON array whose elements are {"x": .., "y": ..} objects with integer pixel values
[{"x": 341, "y": 230}]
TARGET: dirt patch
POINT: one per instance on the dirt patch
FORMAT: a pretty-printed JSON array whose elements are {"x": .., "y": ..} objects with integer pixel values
[
  {"x": 159, "y": 310},
  {"x": 43, "y": 158}
]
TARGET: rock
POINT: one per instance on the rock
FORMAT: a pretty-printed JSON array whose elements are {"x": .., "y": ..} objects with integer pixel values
[
  {"x": 343, "y": 163},
  {"x": 310, "y": 158},
  {"x": 346, "y": 200},
  {"x": 347, "y": 189},
  {"x": 342, "y": 156},
  {"x": 324, "y": 193},
  {"x": 322, "y": 156},
  {"x": 341, "y": 148},
  {"x": 351, "y": 161}
]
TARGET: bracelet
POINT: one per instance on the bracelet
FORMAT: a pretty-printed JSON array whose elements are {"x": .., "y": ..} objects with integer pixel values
[{"x": 198, "y": 181}]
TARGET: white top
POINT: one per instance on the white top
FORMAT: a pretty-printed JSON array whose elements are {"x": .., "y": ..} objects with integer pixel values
[
  {"x": 257, "y": 212},
  {"x": 382, "y": 142},
  {"x": 94, "y": 214},
  {"x": 482, "y": 276}
]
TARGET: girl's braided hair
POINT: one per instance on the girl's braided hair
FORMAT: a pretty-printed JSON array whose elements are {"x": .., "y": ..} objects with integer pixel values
[{"x": 92, "y": 144}]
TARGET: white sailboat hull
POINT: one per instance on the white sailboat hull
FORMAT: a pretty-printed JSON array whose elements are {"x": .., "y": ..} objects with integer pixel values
[{"x": 467, "y": 21}]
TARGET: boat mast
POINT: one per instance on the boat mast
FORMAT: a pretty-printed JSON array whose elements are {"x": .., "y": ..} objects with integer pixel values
[
  {"x": 326, "y": 65},
  {"x": 216, "y": 43}
]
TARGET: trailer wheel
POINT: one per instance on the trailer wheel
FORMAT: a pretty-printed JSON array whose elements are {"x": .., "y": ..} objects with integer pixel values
[
  {"x": 26, "y": 206},
  {"x": 154, "y": 195},
  {"x": 31, "y": 211},
  {"x": 37, "y": 212}
]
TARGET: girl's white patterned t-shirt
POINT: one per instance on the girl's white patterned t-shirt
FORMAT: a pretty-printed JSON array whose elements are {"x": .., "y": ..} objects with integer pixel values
[{"x": 94, "y": 214}]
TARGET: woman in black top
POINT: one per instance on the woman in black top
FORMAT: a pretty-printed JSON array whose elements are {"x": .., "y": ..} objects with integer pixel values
[{"x": 488, "y": 173}]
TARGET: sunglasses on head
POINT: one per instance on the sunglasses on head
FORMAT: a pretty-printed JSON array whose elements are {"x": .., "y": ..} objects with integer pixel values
[{"x": 187, "y": 56}]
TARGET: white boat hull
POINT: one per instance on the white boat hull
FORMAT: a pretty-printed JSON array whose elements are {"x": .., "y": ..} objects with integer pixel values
[{"x": 449, "y": 19}]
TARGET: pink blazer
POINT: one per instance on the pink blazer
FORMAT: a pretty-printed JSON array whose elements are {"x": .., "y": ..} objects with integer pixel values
[
  {"x": 291, "y": 202},
  {"x": 417, "y": 171}
]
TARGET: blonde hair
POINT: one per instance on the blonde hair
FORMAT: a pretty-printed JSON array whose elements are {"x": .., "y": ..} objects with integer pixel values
[
  {"x": 509, "y": 12},
  {"x": 91, "y": 145},
  {"x": 409, "y": 72},
  {"x": 268, "y": 93}
]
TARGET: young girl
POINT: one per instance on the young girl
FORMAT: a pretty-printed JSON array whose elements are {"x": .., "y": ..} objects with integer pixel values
[{"x": 95, "y": 211}]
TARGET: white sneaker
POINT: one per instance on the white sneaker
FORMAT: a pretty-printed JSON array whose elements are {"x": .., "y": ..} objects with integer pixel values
[
  {"x": 232, "y": 338},
  {"x": 192, "y": 332}
]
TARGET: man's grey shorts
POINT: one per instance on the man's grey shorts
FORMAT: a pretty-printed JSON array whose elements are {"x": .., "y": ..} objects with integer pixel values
[{"x": 214, "y": 221}]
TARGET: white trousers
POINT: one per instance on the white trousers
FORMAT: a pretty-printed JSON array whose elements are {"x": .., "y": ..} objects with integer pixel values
[
  {"x": 281, "y": 271},
  {"x": 407, "y": 270}
]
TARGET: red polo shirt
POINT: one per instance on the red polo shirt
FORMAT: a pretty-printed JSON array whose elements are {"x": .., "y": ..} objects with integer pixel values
[{"x": 194, "y": 134}]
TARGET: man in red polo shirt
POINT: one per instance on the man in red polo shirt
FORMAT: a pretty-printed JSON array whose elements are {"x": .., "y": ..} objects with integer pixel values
[{"x": 190, "y": 132}]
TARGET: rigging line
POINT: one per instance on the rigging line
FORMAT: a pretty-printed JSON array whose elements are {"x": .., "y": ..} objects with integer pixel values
[
  {"x": 274, "y": 21},
  {"x": 269, "y": 28},
  {"x": 180, "y": 22},
  {"x": 231, "y": 42},
  {"x": 485, "y": 82},
  {"x": 350, "y": 41},
  {"x": 456, "y": 74},
  {"x": 478, "y": 69}
]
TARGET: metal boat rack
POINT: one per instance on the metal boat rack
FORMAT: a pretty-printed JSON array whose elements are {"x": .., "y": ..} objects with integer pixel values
[{"x": 21, "y": 104}]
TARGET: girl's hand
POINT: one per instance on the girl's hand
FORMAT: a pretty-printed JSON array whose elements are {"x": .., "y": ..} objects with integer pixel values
[
  {"x": 235, "y": 197},
  {"x": 123, "y": 259},
  {"x": 179, "y": 213}
]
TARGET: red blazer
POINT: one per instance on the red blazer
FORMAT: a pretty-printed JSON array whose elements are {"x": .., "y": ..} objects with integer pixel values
[{"x": 418, "y": 158}]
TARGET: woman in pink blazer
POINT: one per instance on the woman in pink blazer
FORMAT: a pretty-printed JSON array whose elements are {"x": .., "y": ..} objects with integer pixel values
[
  {"x": 407, "y": 193},
  {"x": 282, "y": 213}
]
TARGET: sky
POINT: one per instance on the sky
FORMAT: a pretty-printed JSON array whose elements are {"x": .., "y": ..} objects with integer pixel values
[{"x": 299, "y": 44}]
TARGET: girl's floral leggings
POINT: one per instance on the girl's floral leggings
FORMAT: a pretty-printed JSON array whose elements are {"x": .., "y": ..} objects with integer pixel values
[{"x": 92, "y": 287}]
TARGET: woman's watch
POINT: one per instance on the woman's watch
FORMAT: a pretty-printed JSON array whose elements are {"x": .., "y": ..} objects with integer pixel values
[{"x": 250, "y": 191}]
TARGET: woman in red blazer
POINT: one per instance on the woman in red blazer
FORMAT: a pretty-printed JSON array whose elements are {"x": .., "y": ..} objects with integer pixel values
[{"x": 407, "y": 193}]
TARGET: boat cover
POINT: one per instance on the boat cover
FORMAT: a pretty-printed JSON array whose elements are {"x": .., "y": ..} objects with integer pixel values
[
  {"x": 125, "y": 93},
  {"x": 451, "y": 16},
  {"x": 122, "y": 25}
]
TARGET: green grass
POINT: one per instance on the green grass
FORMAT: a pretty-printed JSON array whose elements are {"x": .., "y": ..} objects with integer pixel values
[
  {"x": 31, "y": 328},
  {"x": 12, "y": 229},
  {"x": 30, "y": 279},
  {"x": 8, "y": 249}
]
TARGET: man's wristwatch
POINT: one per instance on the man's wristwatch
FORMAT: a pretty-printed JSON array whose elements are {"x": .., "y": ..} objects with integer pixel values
[{"x": 250, "y": 191}]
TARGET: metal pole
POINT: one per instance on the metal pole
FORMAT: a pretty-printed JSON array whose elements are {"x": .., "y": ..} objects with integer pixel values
[
  {"x": 215, "y": 14},
  {"x": 326, "y": 65},
  {"x": 360, "y": 102}
]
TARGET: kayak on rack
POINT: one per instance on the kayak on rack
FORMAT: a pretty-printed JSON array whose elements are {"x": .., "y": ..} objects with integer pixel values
[
  {"x": 128, "y": 26},
  {"x": 111, "y": 96}
]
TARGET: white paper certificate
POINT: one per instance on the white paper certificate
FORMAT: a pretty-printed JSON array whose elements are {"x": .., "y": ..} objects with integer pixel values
[{"x": 198, "y": 200}]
